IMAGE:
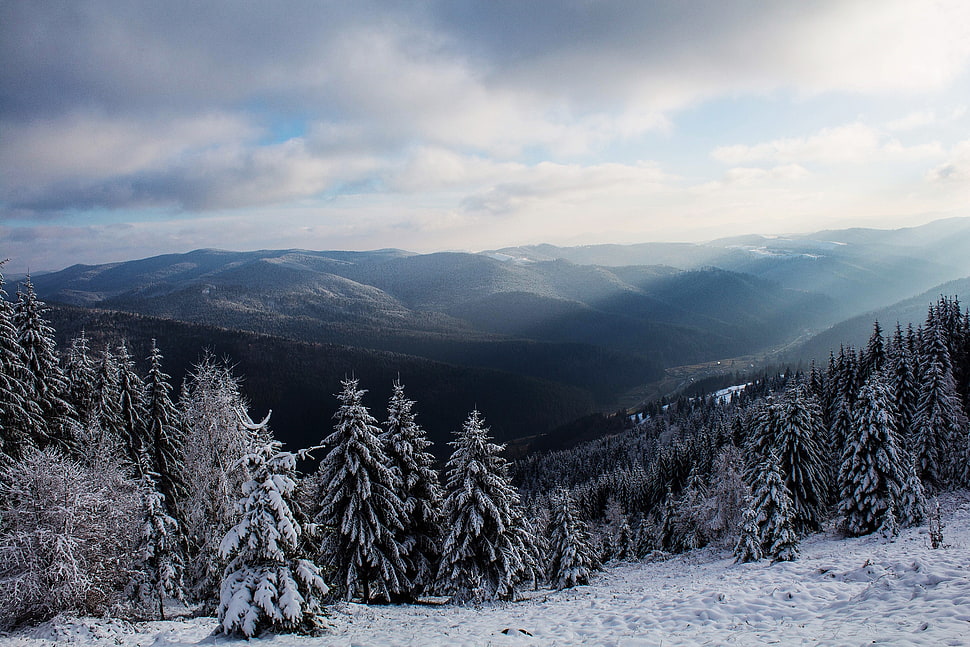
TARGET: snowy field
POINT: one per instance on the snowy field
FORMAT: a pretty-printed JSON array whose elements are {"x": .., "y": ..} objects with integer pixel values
[{"x": 840, "y": 592}]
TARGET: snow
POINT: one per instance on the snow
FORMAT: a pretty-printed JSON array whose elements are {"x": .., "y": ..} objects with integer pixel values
[
  {"x": 724, "y": 395},
  {"x": 839, "y": 592}
]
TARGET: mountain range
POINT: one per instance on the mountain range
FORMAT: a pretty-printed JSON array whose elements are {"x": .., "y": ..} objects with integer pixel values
[{"x": 582, "y": 324}]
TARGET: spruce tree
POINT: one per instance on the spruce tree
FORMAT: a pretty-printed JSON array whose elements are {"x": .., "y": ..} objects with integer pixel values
[
  {"x": 19, "y": 413},
  {"x": 268, "y": 585},
  {"x": 81, "y": 370},
  {"x": 874, "y": 356},
  {"x": 486, "y": 549},
  {"x": 164, "y": 431},
  {"x": 801, "y": 459},
  {"x": 572, "y": 556},
  {"x": 158, "y": 560},
  {"x": 940, "y": 425},
  {"x": 774, "y": 513},
  {"x": 748, "y": 548},
  {"x": 131, "y": 398},
  {"x": 407, "y": 448},
  {"x": 360, "y": 507},
  {"x": 43, "y": 379},
  {"x": 870, "y": 479},
  {"x": 903, "y": 386}
]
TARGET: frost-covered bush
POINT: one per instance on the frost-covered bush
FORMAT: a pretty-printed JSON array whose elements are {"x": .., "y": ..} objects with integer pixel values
[{"x": 67, "y": 533}]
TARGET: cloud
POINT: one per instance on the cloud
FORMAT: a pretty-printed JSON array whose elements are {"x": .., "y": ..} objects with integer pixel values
[
  {"x": 955, "y": 171},
  {"x": 851, "y": 144}
]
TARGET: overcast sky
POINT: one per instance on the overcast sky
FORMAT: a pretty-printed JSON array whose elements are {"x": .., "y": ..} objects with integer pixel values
[{"x": 129, "y": 129}]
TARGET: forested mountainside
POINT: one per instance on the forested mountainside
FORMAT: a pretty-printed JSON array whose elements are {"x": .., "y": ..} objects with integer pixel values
[
  {"x": 227, "y": 521},
  {"x": 447, "y": 306},
  {"x": 861, "y": 269},
  {"x": 298, "y": 380}
]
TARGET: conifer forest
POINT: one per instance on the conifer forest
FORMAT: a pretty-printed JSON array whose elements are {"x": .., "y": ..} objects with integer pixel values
[{"x": 123, "y": 493}]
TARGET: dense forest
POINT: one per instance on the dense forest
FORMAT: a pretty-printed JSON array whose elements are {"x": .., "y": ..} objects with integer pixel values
[{"x": 227, "y": 523}]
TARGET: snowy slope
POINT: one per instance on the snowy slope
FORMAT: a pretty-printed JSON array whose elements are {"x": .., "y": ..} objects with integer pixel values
[{"x": 840, "y": 592}]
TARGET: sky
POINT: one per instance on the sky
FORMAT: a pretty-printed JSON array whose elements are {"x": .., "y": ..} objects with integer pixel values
[{"x": 129, "y": 129}]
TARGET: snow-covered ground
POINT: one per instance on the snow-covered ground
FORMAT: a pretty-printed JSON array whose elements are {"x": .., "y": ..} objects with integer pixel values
[{"x": 840, "y": 592}]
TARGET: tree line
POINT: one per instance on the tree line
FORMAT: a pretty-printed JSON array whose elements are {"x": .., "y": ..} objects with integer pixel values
[{"x": 118, "y": 496}]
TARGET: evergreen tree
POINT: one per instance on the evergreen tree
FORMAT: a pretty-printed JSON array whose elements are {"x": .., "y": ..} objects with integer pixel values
[
  {"x": 268, "y": 585},
  {"x": 81, "y": 370},
  {"x": 360, "y": 506},
  {"x": 912, "y": 498},
  {"x": 874, "y": 356},
  {"x": 407, "y": 448},
  {"x": 748, "y": 548},
  {"x": 131, "y": 399},
  {"x": 940, "y": 425},
  {"x": 774, "y": 514},
  {"x": 108, "y": 394},
  {"x": 801, "y": 459},
  {"x": 19, "y": 414},
  {"x": 158, "y": 562},
  {"x": 164, "y": 431},
  {"x": 903, "y": 386},
  {"x": 43, "y": 379},
  {"x": 572, "y": 557},
  {"x": 870, "y": 480},
  {"x": 486, "y": 548}
]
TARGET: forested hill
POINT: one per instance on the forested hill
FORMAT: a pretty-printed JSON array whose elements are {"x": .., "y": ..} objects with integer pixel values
[{"x": 298, "y": 380}]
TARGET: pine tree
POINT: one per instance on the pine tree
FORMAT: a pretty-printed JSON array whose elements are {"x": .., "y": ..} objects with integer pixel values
[
  {"x": 108, "y": 394},
  {"x": 903, "y": 386},
  {"x": 158, "y": 562},
  {"x": 19, "y": 414},
  {"x": 940, "y": 425},
  {"x": 748, "y": 548},
  {"x": 268, "y": 585},
  {"x": 801, "y": 459},
  {"x": 486, "y": 547},
  {"x": 912, "y": 498},
  {"x": 572, "y": 557},
  {"x": 131, "y": 398},
  {"x": 81, "y": 370},
  {"x": 360, "y": 507},
  {"x": 775, "y": 514},
  {"x": 870, "y": 480},
  {"x": 43, "y": 378},
  {"x": 164, "y": 431},
  {"x": 874, "y": 356},
  {"x": 407, "y": 448}
]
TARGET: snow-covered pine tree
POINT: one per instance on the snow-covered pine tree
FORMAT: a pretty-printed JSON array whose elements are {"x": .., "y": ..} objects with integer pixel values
[
  {"x": 158, "y": 566},
  {"x": 268, "y": 585},
  {"x": 728, "y": 495},
  {"x": 81, "y": 371},
  {"x": 801, "y": 458},
  {"x": 748, "y": 548},
  {"x": 775, "y": 514},
  {"x": 901, "y": 377},
  {"x": 164, "y": 431},
  {"x": 572, "y": 557},
  {"x": 766, "y": 425},
  {"x": 912, "y": 497},
  {"x": 485, "y": 548},
  {"x": 108, "y": 404},
  {"x": 870, "y": 479},
  {"x": 218, "y": 433},
  {"x": 43, "y": 378},
  {"x": 131, "y": 398},
  {"x": 19, "y": 414},
  {"x": 940, "y": 425},
  {"x": 874, "y": 356},
  {"x": 360, "y": 507},
  {"x": 407, "y": 449}
]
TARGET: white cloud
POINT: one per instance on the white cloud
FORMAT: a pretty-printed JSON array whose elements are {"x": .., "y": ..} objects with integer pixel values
[{"x": 854, "y": 143}]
